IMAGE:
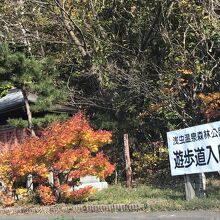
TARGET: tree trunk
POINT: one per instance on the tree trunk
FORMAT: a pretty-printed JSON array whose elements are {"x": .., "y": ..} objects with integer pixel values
[
  {"x": 71, "y": 29},
  {"x": 76, "y": 34},
  {"x": 28, "y": 112}
]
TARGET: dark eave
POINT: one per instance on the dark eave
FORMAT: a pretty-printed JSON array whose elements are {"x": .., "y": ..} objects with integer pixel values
[{"x": 14, "y": 100}]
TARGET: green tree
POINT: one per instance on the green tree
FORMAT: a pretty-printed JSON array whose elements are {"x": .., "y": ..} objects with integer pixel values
[
  {"x": 31, "y": 76},
  {"x": 191, "y": 65}
]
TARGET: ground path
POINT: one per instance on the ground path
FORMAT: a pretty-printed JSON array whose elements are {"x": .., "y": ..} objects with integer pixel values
[{"x": 182, "y": 215}]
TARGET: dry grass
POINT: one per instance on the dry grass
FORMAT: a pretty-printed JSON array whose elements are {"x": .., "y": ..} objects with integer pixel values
[{"x": 160, "y": 198}]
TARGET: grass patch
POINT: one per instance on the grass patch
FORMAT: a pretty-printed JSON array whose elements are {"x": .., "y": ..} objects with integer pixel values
[
  {"x": 158, "y": 198},
  {"x": 141, "y": 194},
  {"x": 62, "y": 217}
]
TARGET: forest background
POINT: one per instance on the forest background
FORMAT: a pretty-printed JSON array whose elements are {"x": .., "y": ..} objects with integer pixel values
[{"x": 137, "y": 66}]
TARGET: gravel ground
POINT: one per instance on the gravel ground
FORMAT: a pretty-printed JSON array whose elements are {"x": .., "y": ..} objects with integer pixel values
[{"x": 194, "y": 215}]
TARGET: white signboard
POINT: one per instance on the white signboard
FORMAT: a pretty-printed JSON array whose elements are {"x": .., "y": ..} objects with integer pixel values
[{"x": 195, "y": 149}]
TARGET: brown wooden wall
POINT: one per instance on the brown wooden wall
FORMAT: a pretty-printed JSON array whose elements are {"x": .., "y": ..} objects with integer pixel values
[{"x": 11, "y": 135}]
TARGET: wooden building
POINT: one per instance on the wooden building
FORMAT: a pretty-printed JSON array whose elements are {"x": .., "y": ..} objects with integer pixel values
[{"x": 12, "y": 106}]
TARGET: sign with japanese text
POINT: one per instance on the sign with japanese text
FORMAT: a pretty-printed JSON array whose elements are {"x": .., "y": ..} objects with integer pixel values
[{"x": 195, "y": 149}]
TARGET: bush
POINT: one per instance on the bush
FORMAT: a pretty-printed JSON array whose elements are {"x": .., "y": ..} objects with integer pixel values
[
  {"x": 46, "y": 195},
  {"x": 76, "y": 196},
  {"x": 67, "y": 150},
  {"x": 152, "y": 161}
]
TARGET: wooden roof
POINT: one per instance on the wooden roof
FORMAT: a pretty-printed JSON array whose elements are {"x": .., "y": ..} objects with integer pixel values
[{"x": 14, "y": 100}]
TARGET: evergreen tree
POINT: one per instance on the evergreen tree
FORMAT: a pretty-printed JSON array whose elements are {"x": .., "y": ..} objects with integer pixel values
[{"x": 39, "y": 77}]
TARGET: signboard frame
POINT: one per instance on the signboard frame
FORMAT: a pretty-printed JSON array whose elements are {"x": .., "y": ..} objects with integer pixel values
[{"x": 195, "y": 149}]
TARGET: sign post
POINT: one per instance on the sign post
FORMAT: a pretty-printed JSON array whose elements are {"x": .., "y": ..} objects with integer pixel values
[
  {"x": 195, "y": 150},
  {"x": 127, "y": 161},
  {"x": 202, "y": 185},
  {"x": 189, "y": 189}
]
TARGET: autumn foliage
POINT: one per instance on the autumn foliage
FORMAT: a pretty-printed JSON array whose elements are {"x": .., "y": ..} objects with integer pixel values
[
  {"x": 68, "y": 195},
  {"x": 211, "y": 104},
  {"x": 46, "y": 195},
  {"x": 69, "y": 150}
]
